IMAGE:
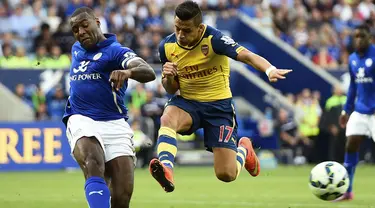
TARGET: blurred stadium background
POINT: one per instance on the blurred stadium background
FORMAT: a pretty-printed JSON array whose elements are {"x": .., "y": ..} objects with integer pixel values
[{"x": 293, "y": 123}]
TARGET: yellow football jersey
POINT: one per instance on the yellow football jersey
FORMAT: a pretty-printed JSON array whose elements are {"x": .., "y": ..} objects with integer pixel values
[{"x": 203, "y": 69}]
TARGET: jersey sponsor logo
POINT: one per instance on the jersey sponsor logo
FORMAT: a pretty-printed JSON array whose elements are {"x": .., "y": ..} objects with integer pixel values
[
  {"x": 82, "y": 67},
  {"x": 93, "y": 76},
  {"x": 205, "y": 49},
  {"x": 194, "y": 73},
  {"x": 361, "y": 76},
  {"x": 227, "y": 40}
]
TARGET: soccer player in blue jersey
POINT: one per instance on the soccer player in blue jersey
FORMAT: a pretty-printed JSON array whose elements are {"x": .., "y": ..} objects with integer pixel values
[
  {"x": 360, "y": 104},
  {"x": 95, "y": 114},
  {"x": 196, "y": 62}
]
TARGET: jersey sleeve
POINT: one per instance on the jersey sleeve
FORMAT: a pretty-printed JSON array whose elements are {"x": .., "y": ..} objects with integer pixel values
[
  {"x": 225, "y": 45},
  {"x": 162, "y": 56},
  {"x": 123, "y": 56},
  {"x": 352, "y": 92}
]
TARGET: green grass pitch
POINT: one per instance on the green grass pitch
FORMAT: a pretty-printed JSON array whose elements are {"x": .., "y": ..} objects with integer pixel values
[{"x": 196, "y": 187}]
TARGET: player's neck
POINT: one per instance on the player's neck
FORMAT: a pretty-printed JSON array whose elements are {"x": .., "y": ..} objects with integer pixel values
[
  {"x": 364, "y": 51},
  {"x": 193, "y": 43},
  {"x": 101, "y": 38}
]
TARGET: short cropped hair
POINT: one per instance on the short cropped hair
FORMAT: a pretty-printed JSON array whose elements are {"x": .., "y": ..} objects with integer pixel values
[
  {"x": 189, "y": 10},
  {"x": 81, "y": 10},
  {"x": 364, "y": 27}
]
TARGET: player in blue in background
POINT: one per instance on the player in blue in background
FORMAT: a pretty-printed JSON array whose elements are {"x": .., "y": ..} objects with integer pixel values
[
  {"x": 361, "y": 99},
  {"x": 99, "y": 136}
]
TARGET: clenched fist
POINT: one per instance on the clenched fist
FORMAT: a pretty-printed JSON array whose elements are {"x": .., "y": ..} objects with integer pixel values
[
  {"x": 118, "y": 77},
  {"x": 170, "y": 69}
]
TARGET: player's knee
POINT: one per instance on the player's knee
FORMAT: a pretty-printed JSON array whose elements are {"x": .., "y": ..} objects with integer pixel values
[
  {"x": 120, "y": 199},
  {"x": 94, "y": 165},
  {"x": 353, "y": 144},
  {"x": 226, "y": 175},
  {"x": 168, "y": 121}
]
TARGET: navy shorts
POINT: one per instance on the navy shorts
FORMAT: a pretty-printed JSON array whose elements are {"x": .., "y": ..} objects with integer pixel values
[{"x": 218, "y": 120}]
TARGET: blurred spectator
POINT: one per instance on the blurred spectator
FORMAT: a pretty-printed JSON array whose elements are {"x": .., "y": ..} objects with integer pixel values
[
  {"x": 291, "y": 145},
  {"x": 38, "y": 98},
  {"x": 40, "y": 59},
  {"x": 20, "y": 60},
  {"x": 44, "y": 38},
  {"x": 22, "y": 24},
  {"x": 72, "y": 6},
  {"x": 6, "y": 58},
  {"x": 324, "y": 59},
  {"x": 332, "y": 135},
  {"x": 57, "y": 60},
  {"x": 309, "y": 124},
  {"x": 52, "y": 19},
  {"x": 20, "y": 93},
  {"x": 41, "y": 113},
  {"x": 337, "y": 99},
  {"x": 152, "y": 109},
  {"x": 4, "y": 21},
  {"x": 103, "y": 21},
  {"x": 137, "y": 98},
  {"x": 365, "y": 8},
  {"x": 142, "y": 144},
  {"x": 154, "y": 22},
  {"x": 56, "y": 104},
  {"x": 64, "y": 37},
  {"x": 300, "y": 34}
]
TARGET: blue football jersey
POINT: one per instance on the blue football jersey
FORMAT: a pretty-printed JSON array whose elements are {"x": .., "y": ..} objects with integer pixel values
[
  {"x": 91, "y": 93},
  {"x": 361, "y": 93}
]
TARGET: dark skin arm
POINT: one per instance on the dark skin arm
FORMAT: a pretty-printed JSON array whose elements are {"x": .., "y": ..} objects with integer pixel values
[{"x": 137, "y": 69}]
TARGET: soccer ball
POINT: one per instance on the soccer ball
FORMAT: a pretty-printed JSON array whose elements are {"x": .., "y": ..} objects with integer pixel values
[{"x": 328, "y": 180}]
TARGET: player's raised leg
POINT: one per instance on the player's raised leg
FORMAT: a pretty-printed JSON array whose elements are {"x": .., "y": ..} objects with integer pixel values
[
  {"x": 121, "y": 174},
  {"x": 173, "y": 120},
  {"x": 90, "y": 156},
  {"x": 252, "y": 163},
  {"x": 228, "y": 162},
  {"x": 225, "y": 164}
]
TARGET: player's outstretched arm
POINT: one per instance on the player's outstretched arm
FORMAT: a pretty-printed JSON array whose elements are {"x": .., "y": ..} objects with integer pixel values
[
  {"x": 137, "y": 69},
  {"x": 262, "y": 64}
]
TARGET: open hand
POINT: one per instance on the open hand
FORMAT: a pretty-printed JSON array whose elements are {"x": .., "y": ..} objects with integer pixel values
[
  {"x": 277, "y": 74},
  {"x": 343, "y": 120}
]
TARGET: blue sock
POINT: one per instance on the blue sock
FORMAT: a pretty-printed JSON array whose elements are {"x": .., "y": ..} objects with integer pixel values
[
  {"x": 97, "y": 193},
  {"x": 350, "y": 163}
]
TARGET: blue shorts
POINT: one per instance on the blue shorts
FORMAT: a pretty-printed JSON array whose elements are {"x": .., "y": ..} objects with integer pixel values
[{"x": 218, "y": 120}]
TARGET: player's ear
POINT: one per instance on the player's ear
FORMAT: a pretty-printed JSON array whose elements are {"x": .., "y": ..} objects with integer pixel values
[
  {"x": 201, "y": 27},
  {"x": 97, "y": 21}
]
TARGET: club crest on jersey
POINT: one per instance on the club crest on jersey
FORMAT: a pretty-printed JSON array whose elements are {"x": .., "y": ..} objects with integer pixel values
[
  {"x": 97, "y": 56},
  {"x": 205, "y": 49},
  {"x": 368, "y": 62}
]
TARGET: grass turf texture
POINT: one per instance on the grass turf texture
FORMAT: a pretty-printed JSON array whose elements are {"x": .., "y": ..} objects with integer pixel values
[{"x": 284, "y": 187}]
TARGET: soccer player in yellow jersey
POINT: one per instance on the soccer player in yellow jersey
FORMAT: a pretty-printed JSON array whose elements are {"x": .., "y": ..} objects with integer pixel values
[{"x": 195, "y": 61}]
